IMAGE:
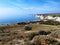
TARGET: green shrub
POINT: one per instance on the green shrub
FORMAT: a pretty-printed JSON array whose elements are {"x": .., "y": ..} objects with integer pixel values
[
  {"x": 50, "y": 22},
  {"x": 44, "y": 32},
  {"x": 23, "y": 23},
  {"x": 28, "y": 28}
]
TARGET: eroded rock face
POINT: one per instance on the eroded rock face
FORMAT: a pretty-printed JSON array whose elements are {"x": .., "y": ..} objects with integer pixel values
[
  {"x": 40, "y": 40},
  {"x": 43, "y": 40},
  {"x": 56, "y": 34},
  {"x": 53, "y": 17},
  {"x": 36, "y": 40}
]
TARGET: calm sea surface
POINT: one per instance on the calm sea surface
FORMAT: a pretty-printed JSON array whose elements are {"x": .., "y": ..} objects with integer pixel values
[{"x": 18, "y": 18}]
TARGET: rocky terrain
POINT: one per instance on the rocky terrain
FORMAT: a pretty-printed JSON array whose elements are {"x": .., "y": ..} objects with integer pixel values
[{"x": 29, "y": 34}]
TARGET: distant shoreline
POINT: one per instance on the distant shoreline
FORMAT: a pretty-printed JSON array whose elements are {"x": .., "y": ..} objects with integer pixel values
[{"x": 13, "y": 22}]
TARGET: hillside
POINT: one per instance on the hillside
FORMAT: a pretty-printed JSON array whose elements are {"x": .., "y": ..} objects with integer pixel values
[{"x": 17, "y": 34}]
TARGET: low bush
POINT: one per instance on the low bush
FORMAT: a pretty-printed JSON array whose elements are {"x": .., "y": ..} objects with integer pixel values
[
  {"x": 28, "y": 28},
  {"x": 22, "y": 23},
  {"x": 44, "y": 32},
  {"x": 50, "y": 22}
]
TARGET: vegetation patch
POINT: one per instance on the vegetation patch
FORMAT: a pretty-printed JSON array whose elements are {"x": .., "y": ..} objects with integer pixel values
[
  {"x": 50, "y": 22},
  {"x": 27, "y": 28},
  {"x": 44, "y": 32}
]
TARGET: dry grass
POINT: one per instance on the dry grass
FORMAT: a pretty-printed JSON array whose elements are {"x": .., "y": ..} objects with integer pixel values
[
  {"x": 35, "y": 28},
  {"x": 38, "y": 27}
]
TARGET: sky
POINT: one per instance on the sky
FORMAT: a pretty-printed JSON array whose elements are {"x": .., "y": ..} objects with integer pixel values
[{"x": 10, "y": 9}]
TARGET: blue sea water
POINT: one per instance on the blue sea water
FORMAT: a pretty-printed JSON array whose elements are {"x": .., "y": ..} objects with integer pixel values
[{"x": 18, "y": 18}]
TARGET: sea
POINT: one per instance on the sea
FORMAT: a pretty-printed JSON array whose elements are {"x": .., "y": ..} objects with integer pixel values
[{"x": 18, "y": 18}]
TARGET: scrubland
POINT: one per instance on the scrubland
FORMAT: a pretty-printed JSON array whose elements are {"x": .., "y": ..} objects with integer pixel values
[{"x": 30, "y": 34}]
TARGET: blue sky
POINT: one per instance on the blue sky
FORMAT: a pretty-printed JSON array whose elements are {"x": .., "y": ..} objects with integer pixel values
[
  {"x": 29, "y": 6},
  {"x": 15, "y": 8}
]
